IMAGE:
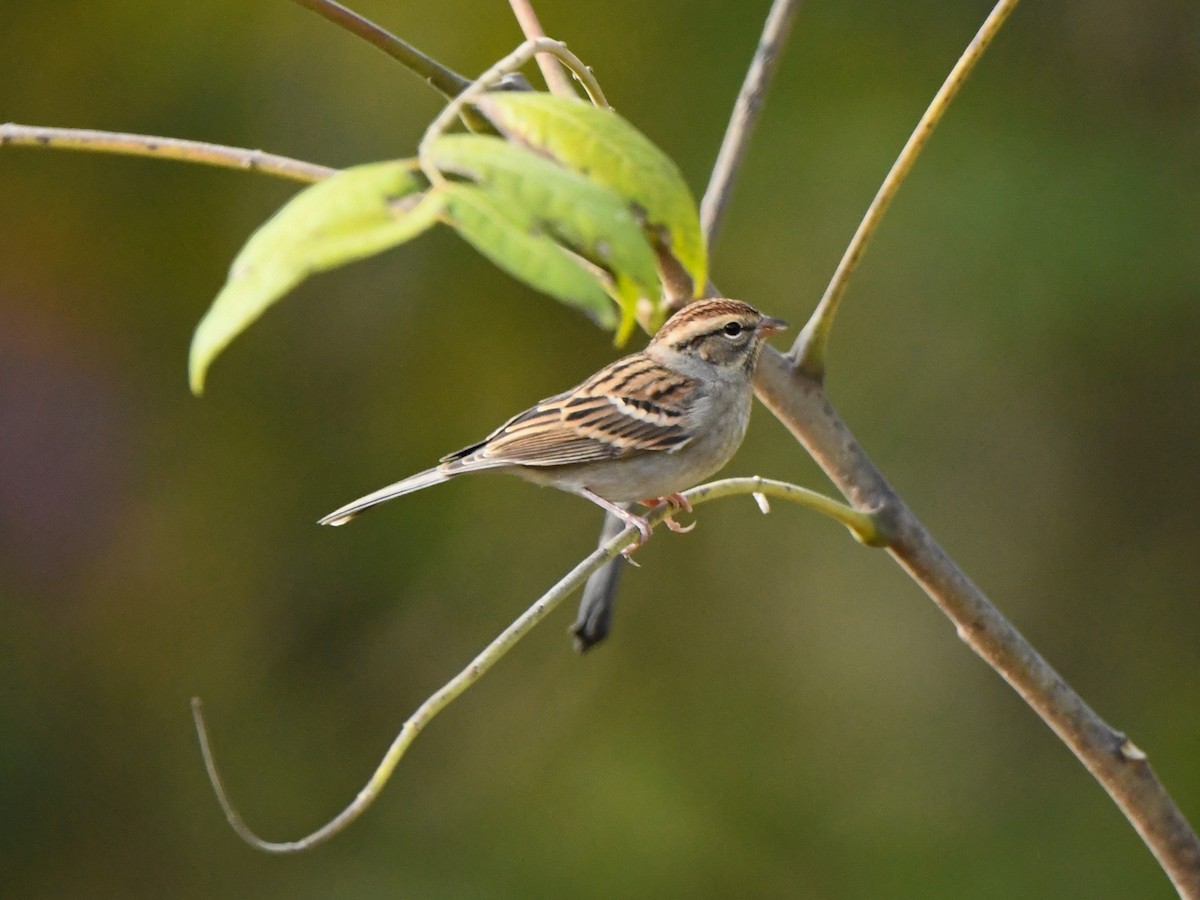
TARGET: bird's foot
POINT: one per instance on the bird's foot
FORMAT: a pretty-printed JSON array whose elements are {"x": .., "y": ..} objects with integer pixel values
[
  {"x": 677, "y": 503},
  {"x": 631, "y": 520},
  {"x": 643, "y": 529}
]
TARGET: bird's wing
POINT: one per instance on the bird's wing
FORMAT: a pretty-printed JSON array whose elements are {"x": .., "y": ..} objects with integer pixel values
[{"x": 633, "y": 406}]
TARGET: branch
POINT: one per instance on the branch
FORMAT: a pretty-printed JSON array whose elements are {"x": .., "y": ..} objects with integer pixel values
[
  {"x": 445, "y": 81},
  {"x": 813, "y": 340},
  {"x": 552, "y": 70},
  {"x": 862, "y": 526},
  {"x": 509, "y": 64},
  {"x": 745, "y": 115},
  {"x": 791, "y": 387},
  {"x": 799, "y": 402},
  {"x": 162, "y": 148}
]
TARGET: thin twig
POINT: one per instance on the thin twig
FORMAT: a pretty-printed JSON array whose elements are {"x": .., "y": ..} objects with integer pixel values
[
  {"x": 508, "y": 64},
  {"x": 162, "y": 148},
  {"x": 812, "y": 342},
  {"x": 861, "y": 525},
  {"x": 445, "y": 81},
  {"x": 745, "y": 115},
  {"x": 557, "y": 80}
]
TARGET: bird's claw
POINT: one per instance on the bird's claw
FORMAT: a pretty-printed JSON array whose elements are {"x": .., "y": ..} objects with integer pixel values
[
  {"x": 676, "y": 503},
  {"x": 643, "y": 529},
  {"x": 674, "y": 526}
]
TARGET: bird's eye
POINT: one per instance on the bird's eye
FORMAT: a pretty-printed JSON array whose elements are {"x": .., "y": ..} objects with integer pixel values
[{"x": 732, "y": 329}]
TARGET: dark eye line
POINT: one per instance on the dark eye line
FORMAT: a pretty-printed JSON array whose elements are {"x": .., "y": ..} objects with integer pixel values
[{"x": 738, "y": 330}]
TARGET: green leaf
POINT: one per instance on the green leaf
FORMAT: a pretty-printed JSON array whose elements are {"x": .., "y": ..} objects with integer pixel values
[
  {"x": 351, "y": 215},
  {"x": 510, "y": 238},
  {"x": 601, "y": 145},
  {"x": 589, "y": 218}
]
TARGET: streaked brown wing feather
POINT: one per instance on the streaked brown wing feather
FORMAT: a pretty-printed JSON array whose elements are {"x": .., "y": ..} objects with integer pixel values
[{"x": 634, "y": 406}]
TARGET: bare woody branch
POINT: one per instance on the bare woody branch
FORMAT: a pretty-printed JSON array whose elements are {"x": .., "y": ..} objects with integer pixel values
[
  {"x": 792, "y": 388},
  {"x": 799, "y": 402},
  {"x": 556, "y": 79},
  {"x": 15, "y": 135},
  {"x": 745, "y": 115},
  {"x": 443, "y": 80}
]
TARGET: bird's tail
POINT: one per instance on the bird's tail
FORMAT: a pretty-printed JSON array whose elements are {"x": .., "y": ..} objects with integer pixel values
[{"x": 425, "y": 479}]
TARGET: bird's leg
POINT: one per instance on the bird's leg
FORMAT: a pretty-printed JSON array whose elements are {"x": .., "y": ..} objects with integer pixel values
[
  {"x": 630, "y": 519},
  {"x": 677, "y": 502}
]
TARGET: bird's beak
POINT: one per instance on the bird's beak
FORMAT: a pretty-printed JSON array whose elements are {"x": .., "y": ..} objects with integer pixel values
[{"x": 769, "y": 326}]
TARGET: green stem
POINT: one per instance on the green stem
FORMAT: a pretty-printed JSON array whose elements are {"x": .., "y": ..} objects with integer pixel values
[
  {"x": 812, "y": 343},
  {"x": 861, "y": 524}
]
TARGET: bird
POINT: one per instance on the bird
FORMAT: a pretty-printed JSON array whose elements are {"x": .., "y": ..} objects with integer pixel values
[{"x": 641, "y": 430}]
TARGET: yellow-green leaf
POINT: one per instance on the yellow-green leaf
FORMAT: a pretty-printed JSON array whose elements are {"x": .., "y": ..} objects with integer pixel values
[
  {"x": 600, "y": 144},
  {"x": 510, "y": 238},
  {"x": 589, "y": 218},
  {"x": 351, "y": 215}
]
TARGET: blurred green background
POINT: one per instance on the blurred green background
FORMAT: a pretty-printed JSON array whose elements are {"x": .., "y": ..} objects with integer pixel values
[{"x": 780, "y": 712}]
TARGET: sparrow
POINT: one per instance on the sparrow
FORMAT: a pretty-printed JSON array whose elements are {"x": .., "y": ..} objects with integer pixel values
[{"x": 642, "y": 429}]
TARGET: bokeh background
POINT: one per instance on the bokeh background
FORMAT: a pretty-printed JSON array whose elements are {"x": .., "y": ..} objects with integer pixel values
[{"x": 780, "y": 712}]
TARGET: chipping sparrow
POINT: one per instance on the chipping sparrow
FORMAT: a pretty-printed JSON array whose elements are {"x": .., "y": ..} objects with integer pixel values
[{"x": 641, "y": 429}]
